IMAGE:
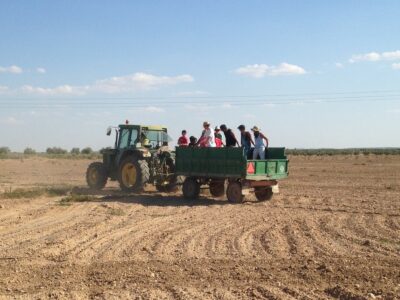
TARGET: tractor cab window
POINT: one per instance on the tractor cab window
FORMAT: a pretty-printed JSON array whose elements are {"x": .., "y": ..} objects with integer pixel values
[
  {"x": 156, "y": 137},
  {"x": 127, "y": 137},
  {"x": 134, "y": 137}
]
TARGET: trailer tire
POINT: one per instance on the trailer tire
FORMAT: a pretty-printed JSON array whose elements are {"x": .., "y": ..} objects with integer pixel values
[
  {"x": 217, "y": 188},
  {"x": 191, "y": 188},
  {"x": 234, "y": 192},
  {"x": 263, "y": 194}
]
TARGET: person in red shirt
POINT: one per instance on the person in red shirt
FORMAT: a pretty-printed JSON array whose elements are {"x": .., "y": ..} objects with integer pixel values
[
  {"x": 183, "y": 141},
  {"x": 218, "y": 138}
]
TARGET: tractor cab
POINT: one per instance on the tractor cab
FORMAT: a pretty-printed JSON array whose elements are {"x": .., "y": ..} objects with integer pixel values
[{"x": 140, "y": 136}]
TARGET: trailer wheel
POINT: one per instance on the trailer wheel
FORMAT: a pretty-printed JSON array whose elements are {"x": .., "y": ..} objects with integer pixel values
[
  {"x": 234, "y": 192},
  {"x": 263, "y": 194},
  {"x": 191, "y": 188},
  {"x": 217, "y": 188}
]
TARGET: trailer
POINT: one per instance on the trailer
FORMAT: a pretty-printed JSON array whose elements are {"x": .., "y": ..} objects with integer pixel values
[{"x": 229, "y": 170}]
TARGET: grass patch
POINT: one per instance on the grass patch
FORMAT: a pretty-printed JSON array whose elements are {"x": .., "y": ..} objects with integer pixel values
[
  {"x": 389, "y": 242},
  {"x": 35, "y": 192},
  {"x": 76, "y": 198},
  {"x": 116, "y": 211}
]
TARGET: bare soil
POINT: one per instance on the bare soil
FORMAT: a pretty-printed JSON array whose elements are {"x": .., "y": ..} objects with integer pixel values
[{"x": 332, "y": 233}]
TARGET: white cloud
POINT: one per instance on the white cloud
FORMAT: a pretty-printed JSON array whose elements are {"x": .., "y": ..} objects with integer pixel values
[
  {"x": 339, "y": 65},
  {"x": 3, "y": 89},
  {"x": 192, "y": 93},
  {"x": 372, "y": 56},
  {"x": 11, "y": 69},
  {"x": 375, "y": 56},
  {"x": 394, "y": 111},
  {"x": 226, "y": 105},
  {"x": 137, "y": 81},
  {"x": 113, "y": 85},
  {"x": 256, "y": 70},
  {"x": 154, "y": 109},
  {"x": 198, "y": 107},
  {"x": 41, "y": 70},
  {"x": 269, "y": 105},
  {"x": 261, "y": 70},
  {"x": 396, "y": 66},
  {"x": 393, "y": 55},
  {"x": 10, "y": 121},
  {"x": 60, "y": 90},
  {"x": 249, "y": 116}
]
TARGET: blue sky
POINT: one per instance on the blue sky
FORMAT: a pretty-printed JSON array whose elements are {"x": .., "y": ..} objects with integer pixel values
[{"x": 309, "y": 73}]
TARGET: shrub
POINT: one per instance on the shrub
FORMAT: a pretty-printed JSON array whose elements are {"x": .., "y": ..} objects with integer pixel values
[
  {"x": 29, "y": 151},
  {"x": 56, "y": 150},
  {"x": 75, "y": 151},
  {"x": 4, "y": 150},
  {"x": 87, "y": 150}
]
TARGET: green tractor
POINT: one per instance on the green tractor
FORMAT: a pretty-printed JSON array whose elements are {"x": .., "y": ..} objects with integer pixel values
[{"x": 140, "y": 156}]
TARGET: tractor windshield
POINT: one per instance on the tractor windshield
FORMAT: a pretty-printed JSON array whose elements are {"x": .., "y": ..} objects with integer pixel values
[
  {"x": 156, "y": 137},
  {"x": 127, "y": 137}
]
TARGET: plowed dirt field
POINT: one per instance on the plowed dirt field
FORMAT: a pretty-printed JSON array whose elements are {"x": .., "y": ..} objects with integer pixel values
[{"x": 333, "y": 232}]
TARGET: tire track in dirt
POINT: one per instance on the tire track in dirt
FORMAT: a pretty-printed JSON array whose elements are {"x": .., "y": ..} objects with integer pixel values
[{"x": 322, "y": 234}]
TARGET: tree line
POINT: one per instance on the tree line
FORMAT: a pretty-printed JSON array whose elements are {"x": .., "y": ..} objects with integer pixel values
[{"x": 52, "y": 151}]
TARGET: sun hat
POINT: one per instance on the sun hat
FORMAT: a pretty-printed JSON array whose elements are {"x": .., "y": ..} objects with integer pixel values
[
  {"x": 205, "y": 123},
  {"x": 255, "y": 128},
  {"x": 216, "y": 128}
]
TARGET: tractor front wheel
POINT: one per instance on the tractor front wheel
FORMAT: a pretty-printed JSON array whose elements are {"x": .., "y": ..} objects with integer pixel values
[
  {"x": 133, "y": 174},
  {"x": 191, "y": 188},
  {"x": 96, "y": 176}
]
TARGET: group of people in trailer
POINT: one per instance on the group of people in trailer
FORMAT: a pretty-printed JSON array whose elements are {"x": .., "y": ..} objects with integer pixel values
[{"x": 253, "y": 145}]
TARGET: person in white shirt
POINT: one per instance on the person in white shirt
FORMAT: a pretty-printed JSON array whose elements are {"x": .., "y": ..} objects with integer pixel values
[
  {"x": 259, "y": 146},
  {"x": 207, "y": 136}
]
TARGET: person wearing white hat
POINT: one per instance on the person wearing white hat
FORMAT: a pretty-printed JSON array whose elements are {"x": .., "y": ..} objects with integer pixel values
[
  {"x": 259, "y": 146},
  {"x": 207, "y": 136}
]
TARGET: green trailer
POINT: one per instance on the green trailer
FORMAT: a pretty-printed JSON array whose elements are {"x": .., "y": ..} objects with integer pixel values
[{"x": 221, "y": 167}]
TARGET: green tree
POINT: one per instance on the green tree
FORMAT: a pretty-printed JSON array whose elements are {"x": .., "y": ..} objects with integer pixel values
[
  {"x": 75, "y": 151},
  {"x": 29, "y": 151},
  {"x": 87, "y": 150},
  {"x": 56, "y": 150},
  {"x": 4, "y": 150}
]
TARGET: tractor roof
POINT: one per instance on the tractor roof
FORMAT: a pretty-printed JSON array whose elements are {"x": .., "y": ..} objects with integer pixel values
[{"x": 148, "y": 127}]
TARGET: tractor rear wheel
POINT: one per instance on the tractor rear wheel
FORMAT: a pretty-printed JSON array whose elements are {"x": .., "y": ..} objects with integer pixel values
[
  {"x": 234, "y": 192},
  {"x": 191, "y": 188},
  {"x": 133, "y": 174},
  {"x": 263, "y": 194},
  {"x": 217, "y": 188},
  {"x": 96, "y": 176}
]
